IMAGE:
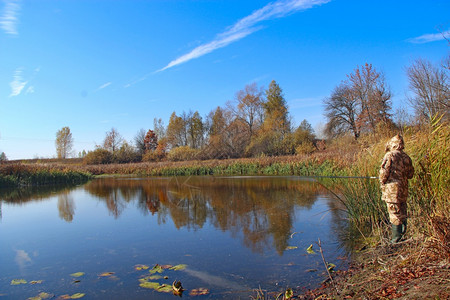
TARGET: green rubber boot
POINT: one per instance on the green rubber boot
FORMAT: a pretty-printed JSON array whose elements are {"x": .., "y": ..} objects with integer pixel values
[
  {"x": 396, "y": 233},
  {"x": 404, "y": 227}
]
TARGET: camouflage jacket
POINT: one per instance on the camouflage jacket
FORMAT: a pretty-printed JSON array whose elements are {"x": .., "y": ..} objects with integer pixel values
[{"x": 395, "y": 171}]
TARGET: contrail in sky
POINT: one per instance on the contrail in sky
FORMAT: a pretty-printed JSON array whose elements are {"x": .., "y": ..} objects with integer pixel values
[{"x": 246, "y": 26}]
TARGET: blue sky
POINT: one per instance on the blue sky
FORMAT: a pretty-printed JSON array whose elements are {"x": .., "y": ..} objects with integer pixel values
[{"x": 94, "y": 65}]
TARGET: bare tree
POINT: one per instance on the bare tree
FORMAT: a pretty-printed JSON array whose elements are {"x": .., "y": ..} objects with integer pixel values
[
  {"x": 139, "y": 141},
  {"x": 341, "y": 110},
  {"x": 373, "y": 95},
  {"x": 112, "y": 141},
  {"x": 430, "y": 85},
  {"x": 63, "y": 142}
]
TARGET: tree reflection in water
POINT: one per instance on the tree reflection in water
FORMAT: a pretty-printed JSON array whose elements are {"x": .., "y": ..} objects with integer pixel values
[{"x": 261, "y": 208}]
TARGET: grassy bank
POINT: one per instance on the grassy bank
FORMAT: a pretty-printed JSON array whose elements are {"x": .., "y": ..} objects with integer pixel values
[
  {"x": 18, "y": 174},
  {"x": 419, "y": 266}
]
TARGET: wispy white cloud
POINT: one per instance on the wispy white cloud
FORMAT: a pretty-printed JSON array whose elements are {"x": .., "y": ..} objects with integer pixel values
[
  {"x": 246, "y": 26},
  {"x": 431, "y": 37},
  {"x": 103, "y": 86},
  {"x": 9, "y": 17},
  {"x": 18, "y": 84},
  {"x": 30, "y": 90}
]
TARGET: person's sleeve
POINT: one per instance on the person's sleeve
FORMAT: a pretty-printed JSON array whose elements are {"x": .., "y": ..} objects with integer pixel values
[{"x": 385, "y": 169}]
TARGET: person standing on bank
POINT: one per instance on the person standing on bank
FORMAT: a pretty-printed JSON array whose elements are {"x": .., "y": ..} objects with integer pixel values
[{"x": 395, "y": 171}]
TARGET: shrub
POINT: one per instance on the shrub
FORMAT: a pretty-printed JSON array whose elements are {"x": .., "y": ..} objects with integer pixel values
[
  {"x": 126, "y": 154},
  {"x": 305, "y": 147},
  {"x": 98, "y": 156},
  {"x": 182, "y": 153}
]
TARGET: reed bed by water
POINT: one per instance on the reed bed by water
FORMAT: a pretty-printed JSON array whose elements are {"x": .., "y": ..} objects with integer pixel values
[
  {"x": 429, "y": 199},
  {"x": 19, "y": 174},
  {"x": 315, "y": 165}
]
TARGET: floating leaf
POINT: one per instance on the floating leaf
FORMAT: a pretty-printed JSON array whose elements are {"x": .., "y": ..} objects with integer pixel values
[
  {"x": 166, "y": 266},
  {"x": 291, "y": 247},
  {"x": 154, "y": 277},
  {"x": 63, "y": 297},
  {"x": 156, "y": 269},
  {"x": 77, "y": 296},
  {"x": 288, "y": 294},
  {"x": 199, "y": 292},
  {"x": 42, "y": 296},
  {"x": 77, "y": 274},
  {"x": 106, "y": 274},
  {"x": 310, "y": 250},
  {"x": 178, "y": 267},
  {"x": 331, "y": 267},
  {"x": 141, "y": 267},
  {"x": 36, "y": 281},
  {"x": 165, "y": 288},
  {"x": 149, "y": 285},
  {"x": 18, "y": 281}
]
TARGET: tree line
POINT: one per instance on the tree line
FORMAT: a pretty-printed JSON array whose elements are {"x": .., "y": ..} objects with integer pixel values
[{"x": 257, "y": 122}]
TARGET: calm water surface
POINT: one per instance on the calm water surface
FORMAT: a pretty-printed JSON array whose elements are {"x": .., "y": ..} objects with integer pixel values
[{"x": 235, "y": 234}]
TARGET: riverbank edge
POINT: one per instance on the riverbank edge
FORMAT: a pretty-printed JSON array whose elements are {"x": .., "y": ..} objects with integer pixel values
[
  {"x": 18, "y": 176},
  {"x": 410, "y": 269}
]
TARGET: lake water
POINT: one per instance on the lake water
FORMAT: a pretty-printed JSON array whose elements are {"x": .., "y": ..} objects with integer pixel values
[{"x": 233, "y": 234}]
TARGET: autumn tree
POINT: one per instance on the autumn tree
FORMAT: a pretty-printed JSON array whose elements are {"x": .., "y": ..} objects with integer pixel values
[
  {"x": 63, "y": 142},
  {"x": 176, "y": 131},
  {"x": 373, "y": 97},
  {"x": 360, "y": 104},
  {"x": 430, "y": 85},
  {"x": 112, "y": 140},
  {"x": 303, "y": 138},
  {"x": 274, "y": 136},
  {"x": 158, "y": 128},
  {"x": 150, "y": 141},
  {"x": 3, "y": 157},
  {"x": 249, "y": 109},
  {"x": 276, "y": 110},
  {"x": 341, "y": 111},
  {"x": 226, "y": 138},
  {"x": 195, "y": 129}
]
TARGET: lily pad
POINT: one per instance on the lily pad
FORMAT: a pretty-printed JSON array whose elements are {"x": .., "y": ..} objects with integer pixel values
[
  {"x": 156, "y": 269},
  {"x": 36, "y": 281},
  {"x": 165, "y": 288},
  {"x": 291, "y": 247},
  {"x": 77, "y": 296},
  {"x": 141, "y": 267},
  {"x": 310, "y": 250},
  {"x": 18, "y": 281},
  {"x": 178, "y": 267},
  {"x": 149, "y": 285},
  {"x": 77, "y": 274},
  {"x": 106, "y": 274},
  {"x": 42, "y": 296}
]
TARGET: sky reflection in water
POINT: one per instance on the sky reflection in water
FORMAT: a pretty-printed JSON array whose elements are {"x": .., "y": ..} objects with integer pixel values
[{"x": 232, "y": 232}]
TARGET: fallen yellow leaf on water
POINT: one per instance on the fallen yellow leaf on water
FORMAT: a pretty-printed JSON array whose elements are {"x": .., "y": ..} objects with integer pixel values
[
  {"x": 106, "y": 274},
  {"x": 18, "y": 281}
]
